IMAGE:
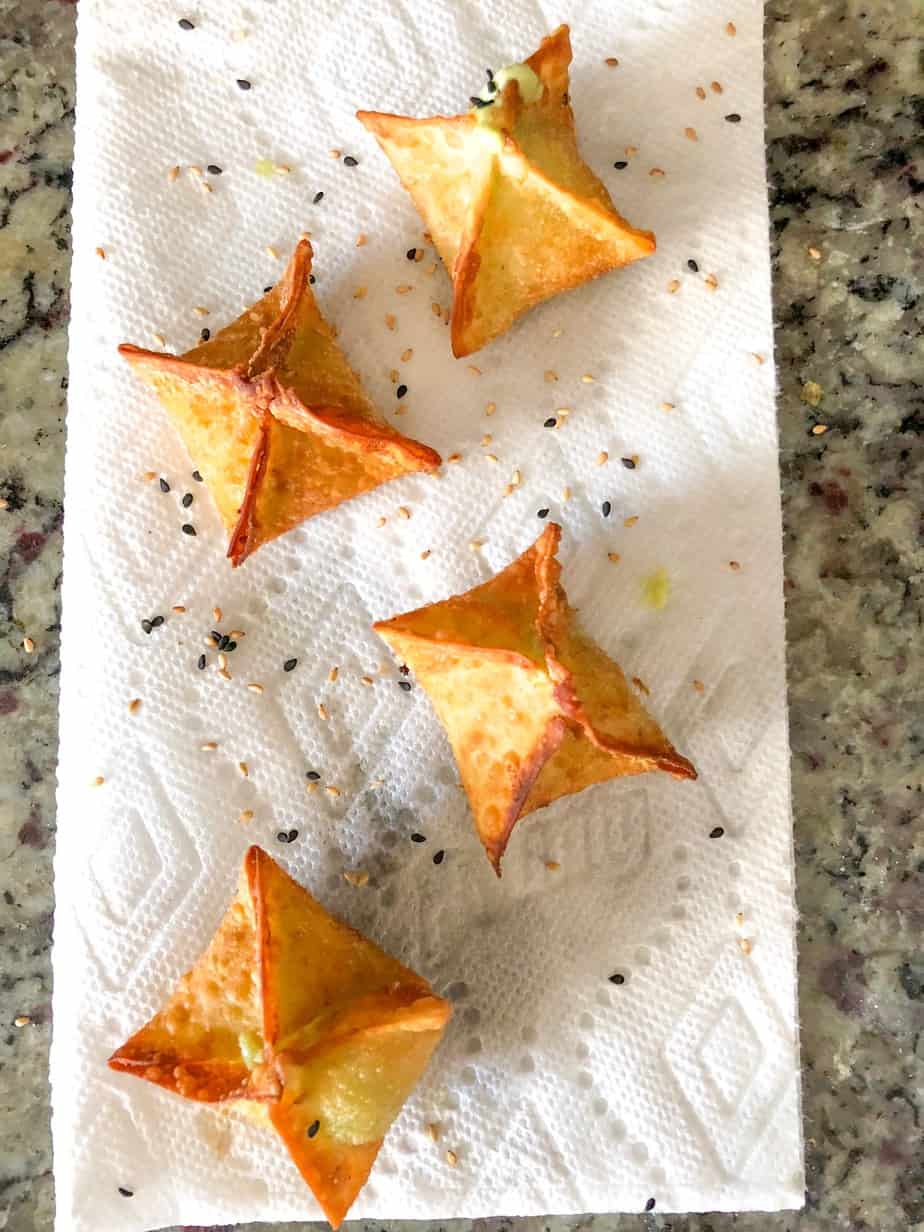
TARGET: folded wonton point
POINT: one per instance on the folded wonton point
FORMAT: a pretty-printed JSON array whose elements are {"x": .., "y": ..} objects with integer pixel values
[
  {"x": 317, "y": 1032},
  {"x": 514, "y": 211},
  {"x": 532, "y": 708},
  {"x": 274, "y": 418}
]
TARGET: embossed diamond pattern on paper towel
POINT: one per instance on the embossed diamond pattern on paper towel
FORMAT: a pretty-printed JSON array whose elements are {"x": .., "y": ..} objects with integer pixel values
[{"x": 581, "y": 1094}]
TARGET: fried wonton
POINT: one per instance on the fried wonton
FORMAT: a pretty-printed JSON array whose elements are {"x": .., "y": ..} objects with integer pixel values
[
  {"x": 532, "y": 708},
  {"x": 514, "y": 211},
  {"x": 274, "y": 418},
  {"x": 306, "y": 1022}
]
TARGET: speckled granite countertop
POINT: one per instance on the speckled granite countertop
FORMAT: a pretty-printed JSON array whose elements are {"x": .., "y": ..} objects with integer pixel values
[{"x": 846, "y": 156}]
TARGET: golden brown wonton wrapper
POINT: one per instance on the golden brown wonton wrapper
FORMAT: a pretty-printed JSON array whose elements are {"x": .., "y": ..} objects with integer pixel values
[
  {"x": 532, "y": 708},
  {"x": 514, "y": 211},
  {"x": 320, "y": 1033},
  {"x": 274, "y": 418}
]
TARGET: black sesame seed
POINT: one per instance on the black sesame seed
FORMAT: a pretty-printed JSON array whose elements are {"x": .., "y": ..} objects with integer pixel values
[
  {"x": 185, "y": 24},
  {"x": 312, "y": 280},
  {"x": 616, "y": 978},
  {"x": 156, "y": 622},
  {"x": 290, "y": 665},
  {"x": 313, "y": 775},
  {"x": 550, "y": 422},
  {"x": 606, "y": 509},
  {"x": 404, "y": 670},
  {"x": 439, "y": 856},
  {"x": 621, "y": 165},
  {"x": 480, "y": 102},
  {"x": 243, "y": 83},
  {"x": 542, "y": 513},
  {"x": 628, "y": 463},
  {"x": 214, "y": 635},
  {"x": 204, "y": 335},
  {"x": 187, "y": 500},
  {"x": 350, "y": 161},
  {"x": 733, "y": 118},
  {"x": 213, "y": 169},
  {"x": 147, "y": 626},
  {"x": 195, "y": 474},
  {"x": 418, "y": 838},
  {"x": 400, "y": 391},
  {"x": 489, "y": 73},
  {"x": 223, "y": 641},
  {"x": 650, "y": 1204},
  {"x": 129, "y": 1193},
  {"x": 188, "y": 529},
  {"x": 164, "y": 486},
  {"x": 313, "y": 1128},
  {"x": 287, "y": 836},
  {"x": 231, "y": 646},
  {"x": 717, "y": 832},
  {"x": 318, "y": 196},
  {"x": 201, "y": 663},
  {"x": 693, "y": 266},
  {"x": 405, "y": 685},
  {"x": 411, "y": 254},
  {"x": 266, "y": 290}
]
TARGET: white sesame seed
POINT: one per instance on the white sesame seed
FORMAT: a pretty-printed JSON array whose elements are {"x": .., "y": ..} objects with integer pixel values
[
  {"x": 255, "y": 687},
  {"x": 28, "y": 645},
  {"x": 98, "y": 781},
  {"x": 246, "y": 815},
  {"x": 271, "y": 252},
  {"x": 134, "y": 705},
  {"x": 358, "y": 878},
  {"x": 244, "y": 768},
  {"x": 209, "y": 746},
  {"x": 602, "y": 457},
  {"x": 322, "y": 711},
  {"x": 332, "y": 790}
]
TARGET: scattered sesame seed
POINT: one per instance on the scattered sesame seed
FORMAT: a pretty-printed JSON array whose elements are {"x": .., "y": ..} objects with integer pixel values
[
  {"x": 311, "y": 788},
  {"x": 814, "y": 253},
  {"x": 313, "y": 776},
  {"x": 28, "y": 645},
  {"x": 433, "y": 1131},
  {"x": 566, "y": 494},
  {"x": 733, "y": 117},
  {"x": 287, "y": 836},
  {"x": 403, "y": 288},
  {"x": 516, "y": 478},
  {"x": 188, "y": 529},
  {"x": 491, "y": 457},
  {"x": 490, "y": 408},
  {"x": 185, "y": 24},
  {"x": 425, "y": 553},
  {"x": 405, "y": 685},
  {"x": 332, "y": 790},
  {"x": 367, "y": 680},
  {"x": 245, "y": 815},
  {"x": 313, "y": 1128},
  {"x": 641, "y": 686},
  {"x": 200, "y": 664},
  {"x": 101, "y": 253},
  {"x": 712, "y": 283},
  {"x": 716, "y": 832},
  {"x": 134, "y": 705},
  {"x": 407, "y": 356},
  {"x": 700, "y": 92},
  {"x": 734, "y": 565},
  {"x": 475, "y": 544},
  {"x": 290, "y": 665},
  {"x": 187, "y": 500},
  {"x": 359, "y": 877},
  {"x": 452, "y": 1158},
  {"x": 621, "y": 165},
  {"x": 400, "y": 391},
  {"x": 606, "y": 509},
  {"x": 650, "y": 1204},
  {"x": 474, "y": 370},
  {"x": 146, "y": 626},
  {"x": 745, "y": 945},
  {"x": 381, "y": 522},
  {"x": 222, "y": 662},
  {"x": 657, "y": 172},
  {"x": 550, "y": 376},
  {"x": 758, "y": 358},
  {"x": 630, "y": 463},
  {"x": 149, "y": 476},
  {"x": 418, "y": 838},
  {"x": 587, "y": 379},
  {"x": 542, "y": 513},
  {"x": 243, "y": 83},
  {"x": 209, "y": 746},
  {"x": 350, "y": 161},
  {"x": 164, "y": 486},
  {"x": 616, "y": 978},
  {"x": 630, "y": 521},
  {"x": 172, "y": 175},
  {"x": 255, "y": 687},
  {"x": 213, "y": 169},
  {"x": 614, "y": 557},
  {"x": 334, "y": 153},
  {"x": 322, "y": 711},
  {"x": 819, "y": 429},
  {"x": 731, "y": 29},
  {"x": 125, "y": 1192},
  {"x": 391, "y": 320},
  {"x": 404, "y": 512},
  {"x": 667, "y": 406},
  {"x": 602, "y": 457},
  {"x": 550, "y": 422},
  {"x": 244, "y": 769},
  {"x": 204, "y": 335},
  {"x": 552, "y": 865},
  {"x": 739, "y": 918},
  {"x": 631, "y": 151},
  {"x": 699, "y": 686},
  {"x": 454, "y": 457},
  {"x": 611, "y": 62},
  {"x": 98, "y": 781},
  {"x": 690, "y": 134},
  {"x": 361, "y": 240},
  {"x": 436, "y": 309},
  {"x": 439, "y": 856}
]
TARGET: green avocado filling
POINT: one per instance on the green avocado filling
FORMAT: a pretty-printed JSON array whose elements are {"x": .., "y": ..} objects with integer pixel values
[{"x": 528, "y": 84}]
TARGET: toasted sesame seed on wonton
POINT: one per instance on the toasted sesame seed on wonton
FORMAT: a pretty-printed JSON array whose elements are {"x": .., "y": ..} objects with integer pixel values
[
  {"x": 309, "y": 1026},
  {"x": 515, "y": 213},
  {"x": 532, "y": 708},
  {"x": 274, "y": 417}
]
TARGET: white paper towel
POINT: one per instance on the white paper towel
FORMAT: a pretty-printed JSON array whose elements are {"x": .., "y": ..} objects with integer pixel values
[{"x": 558, "y": 1090}]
